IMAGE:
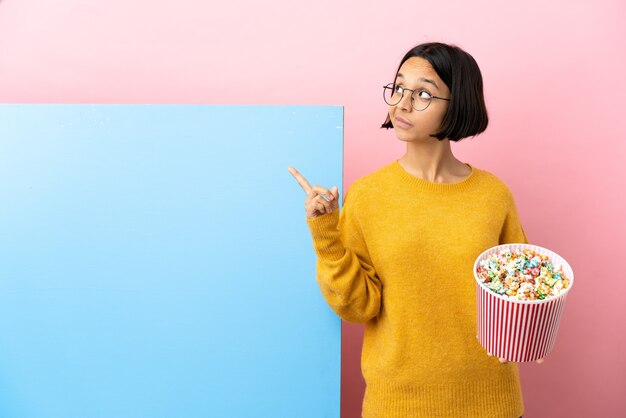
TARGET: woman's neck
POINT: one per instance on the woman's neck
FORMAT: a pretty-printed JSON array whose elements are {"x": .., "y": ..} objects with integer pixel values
[{"x": 433, "y": 161}]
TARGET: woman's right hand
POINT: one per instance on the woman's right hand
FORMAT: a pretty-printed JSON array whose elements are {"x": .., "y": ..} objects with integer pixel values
[{"x": 319, "y": 200}]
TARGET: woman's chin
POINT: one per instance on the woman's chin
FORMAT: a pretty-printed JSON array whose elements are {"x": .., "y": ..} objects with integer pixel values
[{"x": 404, "y": 136}]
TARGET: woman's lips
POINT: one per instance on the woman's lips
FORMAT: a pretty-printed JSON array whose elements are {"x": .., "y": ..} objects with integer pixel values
[{"x": 402, "y": 123}]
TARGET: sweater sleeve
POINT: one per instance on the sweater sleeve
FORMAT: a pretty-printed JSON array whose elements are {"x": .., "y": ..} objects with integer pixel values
[
  {"x": 512, "y": 230},
  {"x": 345, "y": 273}
]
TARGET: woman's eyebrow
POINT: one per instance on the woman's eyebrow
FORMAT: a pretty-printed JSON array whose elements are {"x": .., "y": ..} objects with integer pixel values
[{"x": 424, "y": 79}]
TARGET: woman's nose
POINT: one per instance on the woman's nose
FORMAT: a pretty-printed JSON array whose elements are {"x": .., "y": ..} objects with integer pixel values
[{"x": 405, "y": 102}]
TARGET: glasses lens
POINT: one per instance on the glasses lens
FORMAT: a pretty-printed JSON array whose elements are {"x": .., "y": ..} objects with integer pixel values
[
  {"x": 391, "y": 96},
  {"x": 420, "y": 100}
]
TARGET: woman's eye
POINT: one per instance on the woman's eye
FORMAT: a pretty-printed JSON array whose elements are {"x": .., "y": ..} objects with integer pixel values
[
  {"x": 423, "y": 94},
  {"x": 398, "y": 89}
]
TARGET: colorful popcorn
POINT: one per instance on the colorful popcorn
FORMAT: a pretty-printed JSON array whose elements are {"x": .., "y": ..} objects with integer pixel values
[{"x": 522, "y": 275}]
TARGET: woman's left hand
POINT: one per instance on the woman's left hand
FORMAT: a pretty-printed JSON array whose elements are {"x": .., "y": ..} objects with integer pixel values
[{"x": 506, "y": 361}]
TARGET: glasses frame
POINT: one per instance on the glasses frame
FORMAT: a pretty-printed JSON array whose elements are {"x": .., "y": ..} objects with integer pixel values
[{"x": 392, "y": 87}]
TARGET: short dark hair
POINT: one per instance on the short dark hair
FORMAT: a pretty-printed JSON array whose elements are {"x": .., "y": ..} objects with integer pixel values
[{"x": 467, "y": 113}]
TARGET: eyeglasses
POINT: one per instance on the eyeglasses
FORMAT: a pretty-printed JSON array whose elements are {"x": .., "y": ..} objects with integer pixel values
[{"x": 420, "y": 99}]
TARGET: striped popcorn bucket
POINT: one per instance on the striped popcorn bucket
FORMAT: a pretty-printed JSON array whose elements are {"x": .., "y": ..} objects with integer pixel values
[{"x": 519, "y": 330}]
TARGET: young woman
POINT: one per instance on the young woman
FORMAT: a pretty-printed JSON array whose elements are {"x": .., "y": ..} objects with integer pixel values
[{"x": 399, "y": 256}]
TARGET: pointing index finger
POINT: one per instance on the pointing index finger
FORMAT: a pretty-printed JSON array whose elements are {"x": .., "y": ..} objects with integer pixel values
[{"x": 300, "y": 179}]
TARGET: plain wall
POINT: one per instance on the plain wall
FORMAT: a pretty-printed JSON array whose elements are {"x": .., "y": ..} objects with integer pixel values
[{"x": 554, "y": 83}]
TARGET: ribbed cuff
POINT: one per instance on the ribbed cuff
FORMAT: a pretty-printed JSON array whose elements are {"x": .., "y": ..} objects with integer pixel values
[
  {"x": 326, "y": 235},
  {"x": 497, "y": 399}
]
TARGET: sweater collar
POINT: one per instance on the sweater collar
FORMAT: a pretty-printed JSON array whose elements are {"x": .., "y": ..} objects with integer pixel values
[{"x": 464, "y": 184}]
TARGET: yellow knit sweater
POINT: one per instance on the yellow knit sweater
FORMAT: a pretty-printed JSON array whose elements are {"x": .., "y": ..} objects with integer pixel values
[{"x": 399, "y": 257}]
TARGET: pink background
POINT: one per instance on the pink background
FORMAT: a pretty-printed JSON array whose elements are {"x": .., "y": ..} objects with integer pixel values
[{"x": 555, "y": 84}]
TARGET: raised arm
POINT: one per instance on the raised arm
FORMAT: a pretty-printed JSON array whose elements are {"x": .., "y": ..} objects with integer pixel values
[{"x": 345, "y": 272}]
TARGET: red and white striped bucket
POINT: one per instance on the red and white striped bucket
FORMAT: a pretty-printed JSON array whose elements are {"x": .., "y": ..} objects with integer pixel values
[{"x": 519, "y": 330}]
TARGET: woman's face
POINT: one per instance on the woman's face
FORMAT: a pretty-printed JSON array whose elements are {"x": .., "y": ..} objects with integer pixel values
[{"x": 417, "y": 73}]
